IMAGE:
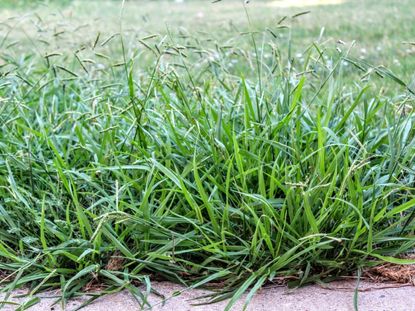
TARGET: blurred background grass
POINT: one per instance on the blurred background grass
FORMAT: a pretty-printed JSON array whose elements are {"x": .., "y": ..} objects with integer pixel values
[{"x": 382, "y": 30}]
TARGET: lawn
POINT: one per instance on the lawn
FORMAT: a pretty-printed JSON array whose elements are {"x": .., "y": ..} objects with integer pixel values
[{"x": 222, "y": 144}]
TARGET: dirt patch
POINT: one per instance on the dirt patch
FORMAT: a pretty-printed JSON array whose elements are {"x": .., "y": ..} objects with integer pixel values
[
  {"x": 404, "y": 274},
  {"x": 389, "y": 272}
]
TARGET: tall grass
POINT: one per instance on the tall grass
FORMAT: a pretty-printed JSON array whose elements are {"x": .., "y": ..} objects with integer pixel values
[{"x": 199, "y": 162}]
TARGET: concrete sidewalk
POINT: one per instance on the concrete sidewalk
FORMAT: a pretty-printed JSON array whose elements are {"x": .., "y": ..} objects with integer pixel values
[{"x": 336, "y": 296}]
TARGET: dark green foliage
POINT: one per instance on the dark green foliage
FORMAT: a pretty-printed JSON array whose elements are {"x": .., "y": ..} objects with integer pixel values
[{"x": 183, "y": 165}]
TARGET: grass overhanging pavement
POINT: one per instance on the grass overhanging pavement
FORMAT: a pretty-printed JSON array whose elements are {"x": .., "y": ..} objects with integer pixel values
[{"x": 198, "y": 161}]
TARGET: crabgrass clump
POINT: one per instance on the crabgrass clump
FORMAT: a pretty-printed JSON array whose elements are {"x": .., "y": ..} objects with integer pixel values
[{"x": 199, "y": 163}]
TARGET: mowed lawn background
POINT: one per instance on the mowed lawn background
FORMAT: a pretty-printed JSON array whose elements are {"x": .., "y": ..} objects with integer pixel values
[
  {"x": 382, "y": 30},
  {"x": 229, "y": 143}
]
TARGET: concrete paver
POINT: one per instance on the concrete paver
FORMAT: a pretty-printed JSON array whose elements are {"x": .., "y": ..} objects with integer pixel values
[{"x": 338, "y": 296}]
